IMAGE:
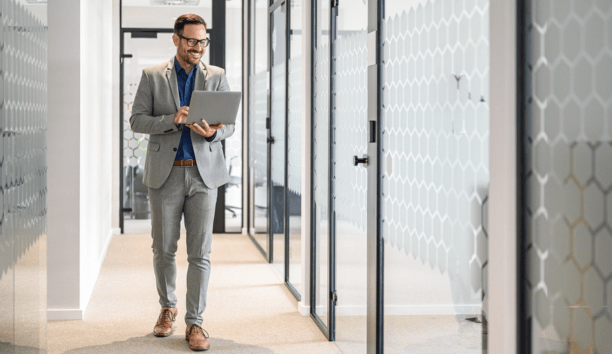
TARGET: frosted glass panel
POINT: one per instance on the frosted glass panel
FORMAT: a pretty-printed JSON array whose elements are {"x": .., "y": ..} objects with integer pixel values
[
  {"x": 259, "y": 86},
  {"x": 321, "y": 159},
  {"x": 294, "y": 147},
  {"x": 435, "y": 138},
  {"x": 349, "y": 128},
  {"x": 278, "y": 163},
  {"x": 568, "y": 175},
  {"x": 258, "y": 155},
  {"x": 23, "y": 172},
  {"x": 294, "y": 164},
  {"x": 233, "y": 145}
]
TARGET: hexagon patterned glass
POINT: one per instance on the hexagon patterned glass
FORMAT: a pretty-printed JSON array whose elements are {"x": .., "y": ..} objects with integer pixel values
[
  {"x": 435, "y": 174},
  {"x": 23, "y": 173},
  {"x": 568, "y": 175}
]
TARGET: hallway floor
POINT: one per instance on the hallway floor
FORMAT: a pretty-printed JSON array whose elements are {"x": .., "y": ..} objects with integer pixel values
[{"x": 249, "y": 308}]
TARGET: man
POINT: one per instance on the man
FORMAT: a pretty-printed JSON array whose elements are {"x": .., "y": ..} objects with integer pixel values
[{"x": 183, "y": 169}]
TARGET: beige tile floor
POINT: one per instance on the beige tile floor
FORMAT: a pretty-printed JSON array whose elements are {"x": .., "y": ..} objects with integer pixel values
[{"x": 249, "y": 309}]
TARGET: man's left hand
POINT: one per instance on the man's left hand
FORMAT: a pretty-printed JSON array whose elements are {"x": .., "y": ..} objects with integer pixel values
[{"x": 205, "y": 130}]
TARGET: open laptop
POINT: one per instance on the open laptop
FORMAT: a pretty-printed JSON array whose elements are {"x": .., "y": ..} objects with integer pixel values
[{"x": 214, "y": 107}]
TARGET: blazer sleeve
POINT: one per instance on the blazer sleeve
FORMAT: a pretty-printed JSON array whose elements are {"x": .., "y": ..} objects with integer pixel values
[
  {"x": 228, "y": 129},
  {"x": 142, "y": 119}
]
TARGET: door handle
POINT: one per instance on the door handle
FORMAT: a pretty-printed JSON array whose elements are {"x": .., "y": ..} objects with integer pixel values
[
  {"x": 270, "y": 140},
  {"x": 357, "y": 160}
]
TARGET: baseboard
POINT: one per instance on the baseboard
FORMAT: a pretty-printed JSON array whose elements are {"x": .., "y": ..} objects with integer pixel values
[
  {"x": 64, "y": 315},
  {"x": 116, "y": 231},
  {"x": 412, "y": 310},
  {"x": 89, "y": 290},
  {"x": 304, "y": 310},
  {"x": 245, "y": 231}
]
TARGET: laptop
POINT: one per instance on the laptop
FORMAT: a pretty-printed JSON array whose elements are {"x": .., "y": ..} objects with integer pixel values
[{"x": 214, "y": 107}]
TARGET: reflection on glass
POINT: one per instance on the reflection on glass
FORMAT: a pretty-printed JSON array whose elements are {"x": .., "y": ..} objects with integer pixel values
[
  {"x": 567, "y": 180},
  {"x": 277, "y": 151},
  {"x": 349, "y": 127},
  {"x": 435, "y": 138},
  {"x": 321, "y": 159}
]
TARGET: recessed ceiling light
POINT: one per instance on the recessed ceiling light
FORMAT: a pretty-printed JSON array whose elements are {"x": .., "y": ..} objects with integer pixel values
[{"x": 176, "y": 2}]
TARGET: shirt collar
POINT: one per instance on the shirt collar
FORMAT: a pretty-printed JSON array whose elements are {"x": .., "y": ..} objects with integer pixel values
[{"x": 178, "y": 67}]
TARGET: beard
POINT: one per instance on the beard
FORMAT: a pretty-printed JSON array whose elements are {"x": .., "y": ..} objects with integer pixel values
[{"x": 188, "y": 58}]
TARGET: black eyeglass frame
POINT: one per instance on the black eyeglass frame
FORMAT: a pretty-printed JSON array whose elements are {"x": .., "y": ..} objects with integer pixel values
[{"x": 206, "y": 41}]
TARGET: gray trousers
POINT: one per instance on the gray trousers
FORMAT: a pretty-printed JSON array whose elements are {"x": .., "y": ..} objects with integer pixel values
[{"x": 183, "y": 192}]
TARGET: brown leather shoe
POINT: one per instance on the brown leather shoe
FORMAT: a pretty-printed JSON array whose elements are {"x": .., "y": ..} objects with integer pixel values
[
  {"x": 197, "y": 338},
  {"x": 163, "y": 327}
]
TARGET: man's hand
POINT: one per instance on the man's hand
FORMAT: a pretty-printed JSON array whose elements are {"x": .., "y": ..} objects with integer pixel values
[
  {"x": 207, "y": 130},
  {"x": 181, "y": 116}
]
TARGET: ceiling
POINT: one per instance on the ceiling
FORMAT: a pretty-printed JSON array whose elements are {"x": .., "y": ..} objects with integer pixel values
[{"x": 203, "y": 3}]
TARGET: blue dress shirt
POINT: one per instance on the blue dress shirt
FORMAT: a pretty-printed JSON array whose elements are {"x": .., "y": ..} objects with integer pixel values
[{"x": 186, "y": 84}]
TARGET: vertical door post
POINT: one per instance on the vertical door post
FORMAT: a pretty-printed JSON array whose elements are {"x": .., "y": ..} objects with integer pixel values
[{"x": 374, "y": 240}]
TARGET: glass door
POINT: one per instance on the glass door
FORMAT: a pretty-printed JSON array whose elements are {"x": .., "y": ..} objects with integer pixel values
[
  {"x": 258, "y": 114},
  {"x": 566, "y": 176},
  {"x": 278, "y": 135},
  {"x": 293, "y": 206},
  {"x": 320, "y": 266},
  {"x": 434, "y": 175},
  {"x": 141, "y": 48},
  {"x": 349, "y": 183}
]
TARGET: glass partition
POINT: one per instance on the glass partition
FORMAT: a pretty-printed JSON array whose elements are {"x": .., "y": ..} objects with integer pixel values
[
  {"x": 349, "y": 128},
  {"x": 294, "y": 146},
  {"x": 278, "y": 162},
  {"x": 258, "y": 112},
  {"x": 147, "y": 51},
  {"x": 233, "y": 145},
  {"x": 435, "y": 129},
  {"x": 567, "y": 177},
  {"x": 320, "y": 160},
  {"x": 23, "y": 155}
]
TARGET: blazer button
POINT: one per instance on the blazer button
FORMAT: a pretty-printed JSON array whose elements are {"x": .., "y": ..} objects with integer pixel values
[{"x": 175, "y": 149}]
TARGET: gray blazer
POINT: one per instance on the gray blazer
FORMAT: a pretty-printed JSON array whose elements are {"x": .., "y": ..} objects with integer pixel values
[{"x": 157, "y": 100}]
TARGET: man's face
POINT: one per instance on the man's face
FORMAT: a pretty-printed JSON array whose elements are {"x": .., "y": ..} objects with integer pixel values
[{"x": 187, "y": 54}]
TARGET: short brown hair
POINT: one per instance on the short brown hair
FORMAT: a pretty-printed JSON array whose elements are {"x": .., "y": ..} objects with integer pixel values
[{"x": 188, "y": 19}]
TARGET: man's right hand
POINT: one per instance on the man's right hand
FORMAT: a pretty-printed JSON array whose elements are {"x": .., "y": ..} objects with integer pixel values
[{"x": 181, "y": 116}]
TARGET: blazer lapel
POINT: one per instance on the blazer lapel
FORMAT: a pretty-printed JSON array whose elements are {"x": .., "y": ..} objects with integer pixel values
[
  {"x": 201, "y": 75},
  {"x": 171, "y": 76}
]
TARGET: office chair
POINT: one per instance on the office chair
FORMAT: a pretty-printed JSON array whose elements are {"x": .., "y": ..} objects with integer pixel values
[{"x": 234, "y": 181}]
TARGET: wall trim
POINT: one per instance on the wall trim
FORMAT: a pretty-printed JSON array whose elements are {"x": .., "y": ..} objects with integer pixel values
[
  {"x": 64, "y": 314},
  {"x": 304, "y": 310},
  {"x": 96, "y": 273}
]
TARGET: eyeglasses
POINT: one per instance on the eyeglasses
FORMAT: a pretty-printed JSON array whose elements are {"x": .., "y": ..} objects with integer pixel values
[{"x": 192, "y": 41}]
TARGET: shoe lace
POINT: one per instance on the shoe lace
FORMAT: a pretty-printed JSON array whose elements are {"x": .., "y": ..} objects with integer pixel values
[
  {"x": 196, "y": 328},
  {"x": 165, "y": 316}
]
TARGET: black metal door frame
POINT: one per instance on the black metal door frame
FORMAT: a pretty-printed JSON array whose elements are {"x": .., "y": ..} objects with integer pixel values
[
  {"x": 217, "y": 58},
  {"x": 286, "y": 8},
  {"x": 252, "y": 39},
  {"x": 330, "y": 329},
  {"x": 375, "y": 282}
]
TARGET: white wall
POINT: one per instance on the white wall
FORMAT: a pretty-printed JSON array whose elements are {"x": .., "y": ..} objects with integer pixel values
[
  {"x": 96, "y": 139},
  {"x": 79, "y": 150},
  {"x": 63, "y": 157}
]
